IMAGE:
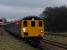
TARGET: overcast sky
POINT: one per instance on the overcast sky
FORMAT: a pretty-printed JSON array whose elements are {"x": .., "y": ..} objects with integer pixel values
[{"x": 16, "y": 9}]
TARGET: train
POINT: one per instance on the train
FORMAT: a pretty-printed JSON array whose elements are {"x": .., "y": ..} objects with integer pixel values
[{"x": 29, "y": 29}]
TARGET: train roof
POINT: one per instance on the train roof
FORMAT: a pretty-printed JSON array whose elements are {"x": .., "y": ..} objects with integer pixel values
[{"x": 30, "y": 18}]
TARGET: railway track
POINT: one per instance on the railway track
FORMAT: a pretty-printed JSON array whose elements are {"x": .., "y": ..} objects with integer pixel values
[
  {"x": 45, "y": 44},
  {"x": 48, "y": 45}
]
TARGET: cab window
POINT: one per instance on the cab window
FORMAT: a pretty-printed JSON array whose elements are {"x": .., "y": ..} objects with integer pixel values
[
  {"x": 40, "y": 23},
  {"x": 25, "y": 23},
  {"x": 33, "y": 23}
]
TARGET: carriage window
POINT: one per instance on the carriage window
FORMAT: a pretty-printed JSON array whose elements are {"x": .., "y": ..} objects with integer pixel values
[
  {"x": 25, "y": 23},
  {"x": 40, "y": 23},
  {"x": 32, "y": 23}
]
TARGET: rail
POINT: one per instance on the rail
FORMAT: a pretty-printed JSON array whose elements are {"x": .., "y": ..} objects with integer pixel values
[{"x": 51, "y": 45}]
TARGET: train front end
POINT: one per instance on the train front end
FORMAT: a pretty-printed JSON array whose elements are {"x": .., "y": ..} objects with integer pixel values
[{"x": 32, "y": 29}]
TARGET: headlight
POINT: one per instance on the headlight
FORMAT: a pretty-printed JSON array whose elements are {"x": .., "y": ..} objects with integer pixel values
[
  {"x": 24, "y": 29},
  {"x": 41, "y": 31}
]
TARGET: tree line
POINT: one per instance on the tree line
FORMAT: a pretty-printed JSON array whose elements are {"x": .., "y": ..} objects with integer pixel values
[{"x": 56, "y": 18}]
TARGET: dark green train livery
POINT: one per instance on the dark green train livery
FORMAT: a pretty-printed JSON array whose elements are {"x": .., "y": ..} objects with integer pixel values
[{"x": 13, "y": 28}]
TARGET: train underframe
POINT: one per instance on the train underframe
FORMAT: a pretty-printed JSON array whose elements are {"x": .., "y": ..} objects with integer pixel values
[{"x": 35, "y": 41}]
